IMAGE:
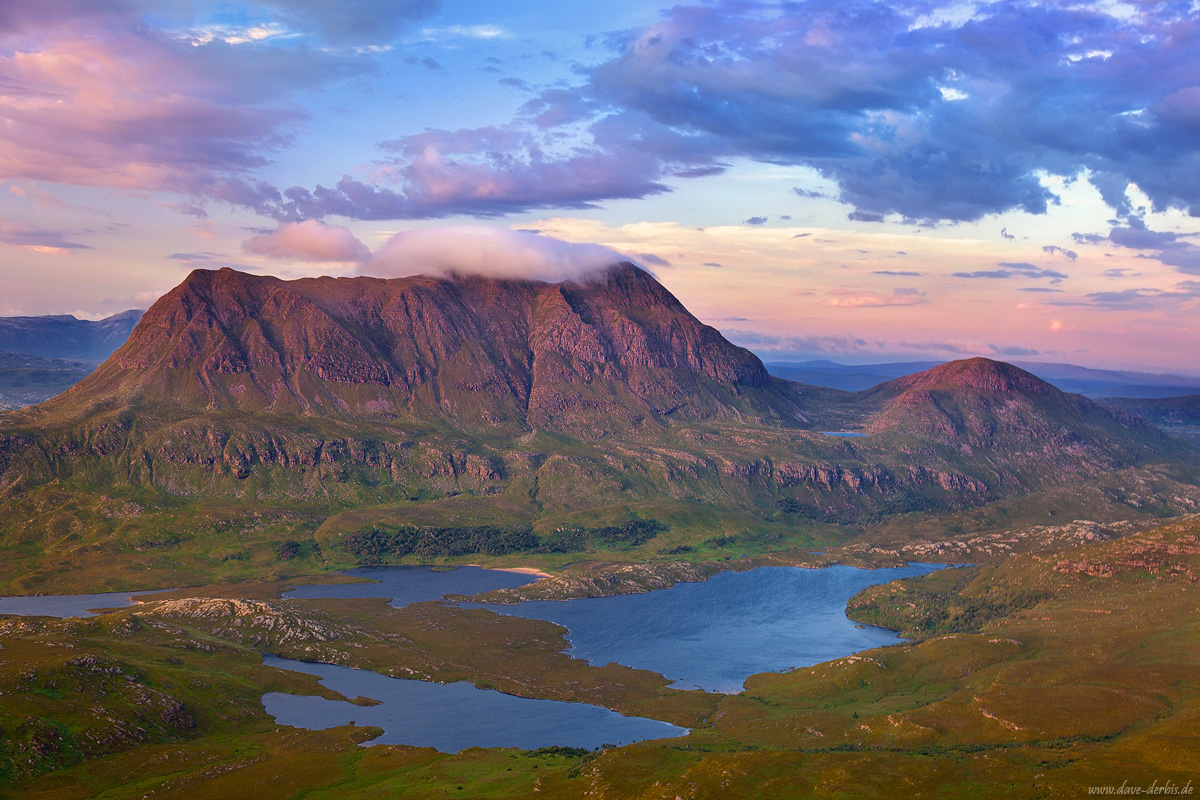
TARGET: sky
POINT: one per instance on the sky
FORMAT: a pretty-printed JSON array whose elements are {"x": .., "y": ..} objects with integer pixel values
[{"x": 839, "y": 179}]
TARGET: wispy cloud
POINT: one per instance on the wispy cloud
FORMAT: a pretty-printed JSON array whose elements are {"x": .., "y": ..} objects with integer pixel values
[
  {"x": 485, "y": 31},
  {"x": 867, "y": 299}
]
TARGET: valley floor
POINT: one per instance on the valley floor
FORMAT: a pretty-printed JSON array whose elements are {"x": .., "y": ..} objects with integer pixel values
[{"x": 1040, "y": 674}]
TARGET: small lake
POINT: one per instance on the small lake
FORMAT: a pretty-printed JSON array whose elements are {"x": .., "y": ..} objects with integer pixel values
[
  {"x": 66, "y": 605},
  {"x": 453, "y": 716},
  {"x": 709, "y": 635},
  {"x": 843, "y": 434}
]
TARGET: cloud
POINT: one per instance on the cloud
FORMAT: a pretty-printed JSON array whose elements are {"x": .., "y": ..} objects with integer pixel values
[
  {"x": 803, "y": 347},
  {"x": 120, "y": 106},
  {"x": 465, "y": 31},
  {"x": 344, "y": 23},
  {"x": 1052, "y": 249},
  {"x": 932, "y": 122},
  {"x": 900, "y": 273},
  {"x": 37, "y": 239},
  {"x": 1141, "y": 299},
  {"x": 310, "y": 241},
  {"x": 1015, "y": 269},
  {"x": 1163, "y": 246},
  {"x": 487, "y": 172},
  {"x": 354, "y": 22},
  {"x": 857, "y": 299},
  {"x": 488, "y": 252},
  {"x": 160, "y": 96},
  {"x": 948, "y": 121},
  {"x": 755, "y": 221}
]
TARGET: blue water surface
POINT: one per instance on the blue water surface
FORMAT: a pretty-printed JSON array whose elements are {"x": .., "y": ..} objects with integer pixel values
[
  {"x": 66, "y": 605},
  {"x": 713, "y": 635},
  {"x": 453, "y": 716},
  {"x": 710, "y": 635}
]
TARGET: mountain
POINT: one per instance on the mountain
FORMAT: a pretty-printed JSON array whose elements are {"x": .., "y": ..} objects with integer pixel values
[
  {"x": 615, "y": 352},
  {"x": 1023, "y": 426},
  {"x": 66, "y": 337},
  {"x": 1094, "y": 383},
  {"x": 245, "y": 412}
]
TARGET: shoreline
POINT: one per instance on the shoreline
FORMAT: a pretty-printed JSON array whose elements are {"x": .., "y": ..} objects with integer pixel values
[{"x": 521, "y": 570}]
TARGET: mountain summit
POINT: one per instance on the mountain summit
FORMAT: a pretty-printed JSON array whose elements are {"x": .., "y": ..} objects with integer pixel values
[{"x": 610, "y": 352}]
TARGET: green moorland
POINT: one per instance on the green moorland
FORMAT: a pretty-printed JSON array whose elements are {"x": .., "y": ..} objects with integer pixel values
[
  {"x": 1037, "y": 674},
  {"x": 67, "y": 536}
]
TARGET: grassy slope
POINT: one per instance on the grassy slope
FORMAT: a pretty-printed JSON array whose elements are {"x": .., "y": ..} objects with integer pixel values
[{"x": 1095, "y": 685}]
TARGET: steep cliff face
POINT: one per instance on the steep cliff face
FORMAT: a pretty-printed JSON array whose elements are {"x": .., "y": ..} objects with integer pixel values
[{"x": 588, "y": 357}]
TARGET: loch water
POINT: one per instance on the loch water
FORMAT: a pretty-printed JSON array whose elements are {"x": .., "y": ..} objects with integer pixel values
[
  {"x": 453, "y": 716},
  {"x": 714, "y": 634},
  {"x": 709, "y": 635}
]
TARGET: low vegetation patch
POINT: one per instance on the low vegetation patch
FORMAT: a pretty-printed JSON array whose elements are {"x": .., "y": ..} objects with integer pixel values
[
  {"x": 383, "y": 543},
  {"x": 938, "y": 603}
]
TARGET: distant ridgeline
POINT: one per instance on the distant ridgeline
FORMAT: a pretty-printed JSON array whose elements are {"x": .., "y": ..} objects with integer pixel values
[
  {"x": 66, "y": 337},
  {"x": 41, "y": 357}
]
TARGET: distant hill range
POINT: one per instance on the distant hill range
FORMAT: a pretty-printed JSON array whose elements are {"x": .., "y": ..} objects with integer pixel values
[
  {"x": 43, "y": 356},
  {"x": 1092, "y": 383},
  {"x": 66, "y": 337}
]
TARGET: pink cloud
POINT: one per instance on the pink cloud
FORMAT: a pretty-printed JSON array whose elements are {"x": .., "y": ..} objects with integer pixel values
[
  {"x": 310, "y": 240},
  {"x": 128, "y": 112},
  {"x": 857, "y": 299},
  {"x": 489, "y": 252}
]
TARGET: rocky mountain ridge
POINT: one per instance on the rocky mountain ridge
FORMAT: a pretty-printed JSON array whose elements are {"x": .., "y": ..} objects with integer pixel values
[{"x": 472, "y": 401}]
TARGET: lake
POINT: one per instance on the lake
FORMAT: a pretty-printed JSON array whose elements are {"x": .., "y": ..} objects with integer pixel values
[
  {"x": 453, "y": 716},
  {"x": 709, "y": 635},
  {"x": 65, "y": 605},
  {"x": 714, "y": 634}
]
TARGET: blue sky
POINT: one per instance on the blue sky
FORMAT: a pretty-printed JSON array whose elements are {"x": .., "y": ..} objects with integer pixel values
[{"x": 854, "y": 180}]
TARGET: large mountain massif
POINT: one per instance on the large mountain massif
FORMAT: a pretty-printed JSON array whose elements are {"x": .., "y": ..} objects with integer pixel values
[{"x": 353, "y": 402}]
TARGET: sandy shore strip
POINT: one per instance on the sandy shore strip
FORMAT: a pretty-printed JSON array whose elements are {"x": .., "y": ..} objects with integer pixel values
[{"x": 522, "y": 570}]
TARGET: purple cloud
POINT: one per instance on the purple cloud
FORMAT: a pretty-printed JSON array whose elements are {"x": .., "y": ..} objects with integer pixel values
[
  {"x": 35, "y": 238},
  {"x": 310, "y": 241},
  {"x": 933, "y": 122},
  {"x": 1015, "y": 269},
  {"x": 1162, "y": 246},
  {"x": 1052, "y": 249}
]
